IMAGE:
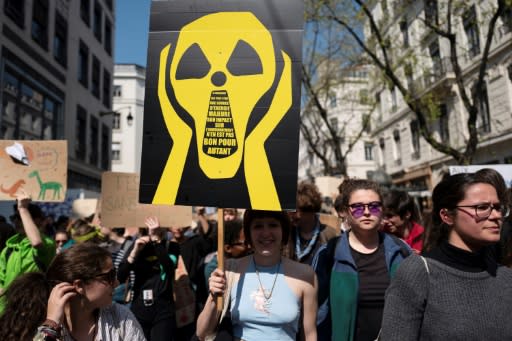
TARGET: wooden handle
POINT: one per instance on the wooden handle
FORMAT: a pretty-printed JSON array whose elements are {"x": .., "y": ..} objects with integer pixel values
[{"x": 220, "y": 251}]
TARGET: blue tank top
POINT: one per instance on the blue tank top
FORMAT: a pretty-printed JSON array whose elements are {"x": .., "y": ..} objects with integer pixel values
[{"x": 254, "y": 317}]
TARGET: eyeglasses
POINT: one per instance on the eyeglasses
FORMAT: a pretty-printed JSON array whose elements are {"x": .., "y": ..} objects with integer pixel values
[
  {"x": 109, "y": 277},
  {"x": 357, "y": 210},
  {"x": 483, "y": 211},
  {"x": 60, "y": 241}
]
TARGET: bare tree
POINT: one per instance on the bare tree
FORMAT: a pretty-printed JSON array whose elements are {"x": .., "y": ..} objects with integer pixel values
[
  {"x": 396, "y": 62},
  {"x": 327, "y": 67}
]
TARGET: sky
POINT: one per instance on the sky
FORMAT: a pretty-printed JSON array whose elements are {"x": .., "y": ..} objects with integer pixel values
[{"x": 131, "y": 32}]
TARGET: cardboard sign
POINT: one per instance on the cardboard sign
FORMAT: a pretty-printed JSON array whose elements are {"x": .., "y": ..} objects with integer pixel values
[
  {"x": 328, "y": 185},
  {"x": 40, "y": 167},
  {"x": 504, "y": 170},
  {"x": 222, "y": 104},
  {"x": 120, "y": 207},
  {"x": 330, "y": 220},
  {"x": 83, "y": 208}
]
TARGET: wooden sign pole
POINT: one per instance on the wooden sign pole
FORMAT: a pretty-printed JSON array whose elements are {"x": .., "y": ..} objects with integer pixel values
[{"x": 220, "y": 250}]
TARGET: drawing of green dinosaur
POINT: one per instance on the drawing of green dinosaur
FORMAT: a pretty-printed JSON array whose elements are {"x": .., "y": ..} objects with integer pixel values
[{"x": 54, "y": 186}]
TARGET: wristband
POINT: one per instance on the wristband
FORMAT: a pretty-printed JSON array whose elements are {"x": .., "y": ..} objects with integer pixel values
[{"x": 52, "y": 324}]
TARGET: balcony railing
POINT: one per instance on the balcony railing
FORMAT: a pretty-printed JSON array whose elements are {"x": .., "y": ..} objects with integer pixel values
[{"x": 439, "y": 70}]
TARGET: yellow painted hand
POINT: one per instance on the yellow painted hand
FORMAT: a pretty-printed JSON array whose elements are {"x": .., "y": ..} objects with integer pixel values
[
  {"x": 260, "y": 183},
  {"x": 181, "y": 135}
]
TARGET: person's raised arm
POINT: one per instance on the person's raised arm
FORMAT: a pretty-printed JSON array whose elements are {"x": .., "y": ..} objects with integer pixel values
[{"x": 31, "y": 230}]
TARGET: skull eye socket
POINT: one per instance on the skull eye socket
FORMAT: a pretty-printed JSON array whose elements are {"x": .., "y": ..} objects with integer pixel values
[
  {"x": 193, "y": 64},
  {"x": 244, "y": 60}
]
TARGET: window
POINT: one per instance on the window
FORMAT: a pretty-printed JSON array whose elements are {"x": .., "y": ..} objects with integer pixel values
[
  {"x": 83, "y": 64},
  {"x": 444, "y": 128},
  {"x": 97, "y": 29},
  {"x": 93, "y": 141},
  {"x": 60, "y": 40},
  {"x": 408, "y": 75},
  {"x": 118, "y": 90},
  {"x": 39, "y": 28},
  {"x": 95, "y": 84},
  {"x": 368, "y": 151},
  {"x": 116, "y": 121},
  {"x": 483, "y": 121},
  {"x": 437, "y": 68},
  {"x": 363, "y": 96},
  {"x": 415, "y": 138},
  {"x": 367, "y": 124},
  {"x": 431, "y": 14},
  {"x": 332, "y": 100},
  {"x": 85, "y": 11},
  {"x": 109, "y": 4},
  {"x": 404, "y": 28},
  {"x": 15, "y": 9},
  {"x": 106, "y": 89},
  {"x": 80, "y": 141},
  {"x": 397, "y": 147},
  {"x": 105, "y": 147},
  {"x": 471, "y": 29},
  {"x": 116, "y": 151},
  {"x": 394, "y": 103},
  {"x": 334, "y": 123},
  {"x": 108, "y": 37},
  {"x": 506, "y": 17}
]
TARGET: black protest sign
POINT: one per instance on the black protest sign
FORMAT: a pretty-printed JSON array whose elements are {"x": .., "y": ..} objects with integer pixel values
[{"x": 222, "y": 104}]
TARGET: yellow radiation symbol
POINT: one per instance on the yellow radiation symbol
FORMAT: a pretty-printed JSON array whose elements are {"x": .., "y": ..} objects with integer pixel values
[{"x": 223, "y": 64}]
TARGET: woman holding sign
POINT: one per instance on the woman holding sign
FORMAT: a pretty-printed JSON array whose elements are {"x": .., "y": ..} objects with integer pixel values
[{"x": 270, "y": 297}]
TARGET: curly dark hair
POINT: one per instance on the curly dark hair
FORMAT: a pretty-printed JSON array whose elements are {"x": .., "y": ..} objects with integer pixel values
[
  {"x": 281, "y": 216},
  {"x": 349, "y": 186},
  {"x": 309, "y": 198},
  {"x": 25, "y": 306}
]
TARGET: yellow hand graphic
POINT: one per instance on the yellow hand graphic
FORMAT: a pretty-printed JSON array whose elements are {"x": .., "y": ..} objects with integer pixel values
[
  {"x": 181, "y": 135},
  {"x": 260, "y": 183}
]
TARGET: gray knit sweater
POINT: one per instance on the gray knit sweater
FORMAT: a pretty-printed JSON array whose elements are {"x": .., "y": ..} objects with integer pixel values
[{"x": 447, "y": 304}]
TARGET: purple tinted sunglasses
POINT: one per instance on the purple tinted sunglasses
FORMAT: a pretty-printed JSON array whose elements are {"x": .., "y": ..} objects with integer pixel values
[{"x": 357, "y": 209}]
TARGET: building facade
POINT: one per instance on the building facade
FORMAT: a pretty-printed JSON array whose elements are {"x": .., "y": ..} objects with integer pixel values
[
  {"x": 128, "y": 106},
  {"x": 401, "y": 151},
  {"x": 56, "y": 71},
  {"x": 347, "y": 106}
]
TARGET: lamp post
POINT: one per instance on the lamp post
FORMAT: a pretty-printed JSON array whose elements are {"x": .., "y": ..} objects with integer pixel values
[{"x": 129, "y": 118}]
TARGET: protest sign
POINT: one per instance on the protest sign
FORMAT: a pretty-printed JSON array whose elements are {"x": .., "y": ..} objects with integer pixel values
[
  {"x": 504, "y": 170},
  {"x": 222, "y": 104},
  {"x": 39, "y": 167},
  {"x": 120, "y": 207},
  {"x": 328, "y": 185}
]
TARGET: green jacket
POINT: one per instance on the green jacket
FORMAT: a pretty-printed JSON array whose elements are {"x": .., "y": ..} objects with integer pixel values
[{"x": 19, "y": 257}]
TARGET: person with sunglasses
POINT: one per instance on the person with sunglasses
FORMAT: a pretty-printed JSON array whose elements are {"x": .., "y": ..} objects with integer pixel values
[
  {"x": 456, "y": 290},
  {"x": 71, "y": 301},
  {"x": 354, "y": 270}
]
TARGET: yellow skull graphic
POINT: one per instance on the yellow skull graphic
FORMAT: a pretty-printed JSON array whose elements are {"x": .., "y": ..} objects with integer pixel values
[
  {"x": 222, "y": 65},
  {"x": 219, "y": 99}
]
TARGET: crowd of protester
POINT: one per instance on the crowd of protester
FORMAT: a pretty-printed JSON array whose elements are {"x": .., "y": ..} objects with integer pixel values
[{"x": 383, "y": 271}]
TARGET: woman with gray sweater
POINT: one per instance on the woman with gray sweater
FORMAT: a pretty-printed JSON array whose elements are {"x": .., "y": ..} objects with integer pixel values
[{"x": 456, "y": 291}]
